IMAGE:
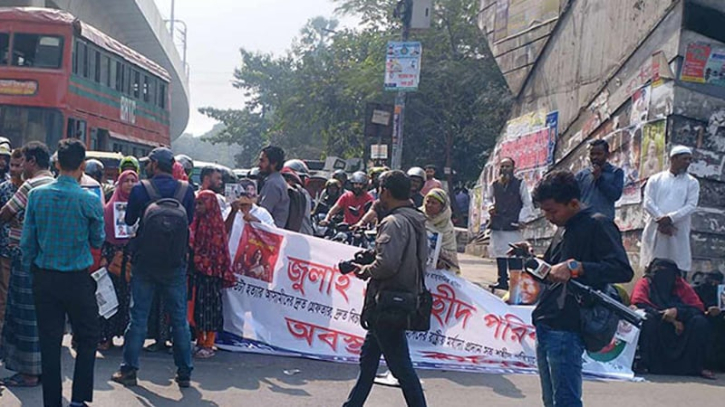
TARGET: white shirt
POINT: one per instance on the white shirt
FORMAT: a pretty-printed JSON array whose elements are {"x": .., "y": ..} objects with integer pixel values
[
  {"x": 258, "y": 212},
  {"x": 675, "y": 196}
]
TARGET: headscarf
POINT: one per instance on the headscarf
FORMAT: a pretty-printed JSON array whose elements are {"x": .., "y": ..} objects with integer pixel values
[
  {"x": 178, "y": 172},
  {"x": 442, "y": 224},
  {"x": 663, "y": 288},
  {"x": 118, "y": 196},
  {"x": 209, "y": 241}
]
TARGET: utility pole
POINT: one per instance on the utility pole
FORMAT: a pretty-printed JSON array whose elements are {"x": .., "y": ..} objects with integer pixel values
[
  {"x": 171, "y": 28},
  {"x": 405, "y": 12}
]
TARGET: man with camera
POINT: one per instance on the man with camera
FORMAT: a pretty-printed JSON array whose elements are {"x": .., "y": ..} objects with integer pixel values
[
  {"x": 399, "y": 266},
  {"x": 590, "y": 252}
]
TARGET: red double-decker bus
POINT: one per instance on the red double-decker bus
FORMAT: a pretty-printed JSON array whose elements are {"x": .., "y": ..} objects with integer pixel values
[{"x": 60, "y": 77}]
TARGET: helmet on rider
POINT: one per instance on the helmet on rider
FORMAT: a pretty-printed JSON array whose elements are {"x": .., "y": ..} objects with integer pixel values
[
  {"x": 6, "y": 148},
  {"x": 333, "y": 183},
  {"x": 340, "y": 175},
  {"x": 94, "y": 169},
  {"x": 417, "y": 178},
  {"x": 129, "y": 163},
  {"x": 298, "y": 166},
  {"x": 185, "y": 162},
  {"x": 359, "y": 181},
  {"x": 253, "y": 173}
]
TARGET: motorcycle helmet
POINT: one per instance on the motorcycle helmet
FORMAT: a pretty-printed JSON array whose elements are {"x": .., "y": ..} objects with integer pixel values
[
  {"x": 129, "y": 163},
  {"x": 359, "y": 177},
  {"x": 94, "y": 169},
  {"x": 297, "y": 166},
  {"x": 185, "y": 162},
  {"x": 417, "y": 172}
]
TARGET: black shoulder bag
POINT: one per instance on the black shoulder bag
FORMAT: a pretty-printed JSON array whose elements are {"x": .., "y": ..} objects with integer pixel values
[{"x": 396, "y": 310}]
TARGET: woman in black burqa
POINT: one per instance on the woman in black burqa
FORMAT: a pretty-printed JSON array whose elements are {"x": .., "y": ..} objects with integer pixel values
[{"x": 676, "y": 334}]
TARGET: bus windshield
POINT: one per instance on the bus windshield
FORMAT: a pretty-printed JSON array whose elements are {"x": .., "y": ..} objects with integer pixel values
[
  {"x": 4, "y": 48},
  {"x": 37, "y": 51},
  {"x": 23, "y": 124}
]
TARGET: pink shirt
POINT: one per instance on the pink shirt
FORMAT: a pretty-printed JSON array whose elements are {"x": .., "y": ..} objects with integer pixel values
[{"x": 430, "y": 184}]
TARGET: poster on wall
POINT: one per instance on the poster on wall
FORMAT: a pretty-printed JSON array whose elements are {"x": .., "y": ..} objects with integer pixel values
[
  {"x": 475, "y": 219},
  {"x": 704, "y": 64},
  {"x": 653, "y": 149},
  {"x": 640, "y": 105}
]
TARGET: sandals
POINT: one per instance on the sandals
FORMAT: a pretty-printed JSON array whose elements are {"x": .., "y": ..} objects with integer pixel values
[
  {"x": 204, "y": 353},
  {"x": 18, "y": 380},
  {"x": 708, "y": 374}
]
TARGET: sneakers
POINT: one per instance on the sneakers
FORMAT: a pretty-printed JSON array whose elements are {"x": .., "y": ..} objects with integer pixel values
[
  {"x": 183, "y": 381},
  {"x": 126, "y": 378}
]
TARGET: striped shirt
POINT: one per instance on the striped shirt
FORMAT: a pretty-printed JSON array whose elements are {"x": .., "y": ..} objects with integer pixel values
[
  {"x": 18, "y": 202},
  {"x": 62, "y": 222}
]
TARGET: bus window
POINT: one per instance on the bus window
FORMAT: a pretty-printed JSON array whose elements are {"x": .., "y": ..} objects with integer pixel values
[
  {"x": 145, "y": 88},
  {"x": 83, "y": 60},
  {"x": 24, "y": 124},
  {"x": 76, "y": 129},
  {"x": 4, "y": 48},
  {"x": 97, "y": 63},
  {"x": 38, "y": 51},
  {"x": 119, "y": 76},
  {"x": 105, "y": 70},
  {"x": 136, "y": 84},
  {"x": 162, "y": 96}
]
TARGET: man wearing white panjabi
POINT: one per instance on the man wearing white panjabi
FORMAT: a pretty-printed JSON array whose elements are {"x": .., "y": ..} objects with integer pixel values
[
  {"x": 509, "y": 204},
  {"x": 670, "y": 198}
]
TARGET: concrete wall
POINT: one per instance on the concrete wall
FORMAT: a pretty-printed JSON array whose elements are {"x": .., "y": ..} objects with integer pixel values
[{"x": 595, "y": 59}]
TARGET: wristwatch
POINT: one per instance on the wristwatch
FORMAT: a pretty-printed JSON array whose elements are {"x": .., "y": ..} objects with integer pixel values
[{"x": 573, "y": 267}]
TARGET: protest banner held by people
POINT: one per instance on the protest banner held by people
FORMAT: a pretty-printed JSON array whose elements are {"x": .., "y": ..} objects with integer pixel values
[{"x": 165, "y": 208}]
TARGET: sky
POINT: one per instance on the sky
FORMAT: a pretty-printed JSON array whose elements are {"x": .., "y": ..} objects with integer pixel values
[{"x": 216, "y": 31}]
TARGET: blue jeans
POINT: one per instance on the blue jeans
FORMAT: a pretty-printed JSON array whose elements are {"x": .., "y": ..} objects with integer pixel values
[
  {"x": 559, "y": 357},
  {"x": 394, "y": 346},
  {"x": 142, "y": 294}
]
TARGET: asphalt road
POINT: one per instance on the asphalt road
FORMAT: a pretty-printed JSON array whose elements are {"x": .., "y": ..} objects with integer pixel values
[{"x": 233, "y": 379}]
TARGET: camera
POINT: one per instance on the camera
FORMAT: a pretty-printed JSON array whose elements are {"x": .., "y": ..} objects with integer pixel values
[{"x": 363, "y": 257}]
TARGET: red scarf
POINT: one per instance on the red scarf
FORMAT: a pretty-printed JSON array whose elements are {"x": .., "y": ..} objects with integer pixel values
[
  {"x": 683, "y": 291},
  {"x": 209, "y": 241}
]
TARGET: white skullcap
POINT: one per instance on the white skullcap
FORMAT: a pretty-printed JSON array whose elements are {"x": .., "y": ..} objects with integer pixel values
[{"x": 677, "y": 150}]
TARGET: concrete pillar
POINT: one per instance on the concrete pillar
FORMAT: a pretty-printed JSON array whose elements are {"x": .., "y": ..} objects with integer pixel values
[{"x": 22, "y": 3}]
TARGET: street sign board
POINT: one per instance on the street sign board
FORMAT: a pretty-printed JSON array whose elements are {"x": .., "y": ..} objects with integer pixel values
[
  {"x": 379, "y": 152},
  {"x": 402, "y": 65}
]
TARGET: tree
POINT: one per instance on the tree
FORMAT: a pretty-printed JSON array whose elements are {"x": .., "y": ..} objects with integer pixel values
[{"x": 311, "y": 101}]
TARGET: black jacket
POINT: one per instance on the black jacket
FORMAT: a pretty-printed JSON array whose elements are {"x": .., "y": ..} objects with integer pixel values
[{"x": 594, "y": 241}]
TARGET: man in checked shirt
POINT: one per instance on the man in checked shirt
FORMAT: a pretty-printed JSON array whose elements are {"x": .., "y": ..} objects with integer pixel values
[{"x": 62, "y": 222}]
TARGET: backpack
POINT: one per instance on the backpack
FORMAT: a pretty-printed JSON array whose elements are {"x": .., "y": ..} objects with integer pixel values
[
  {"x": 297, "y": 209},
  {"x": 163, "y": 238}
]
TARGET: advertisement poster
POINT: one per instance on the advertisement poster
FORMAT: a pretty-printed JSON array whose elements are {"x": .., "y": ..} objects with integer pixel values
[
  {"x": 476, "y": 214},
  {"x": 704, "y": 64},
  {"x": 653, "y": 149},
  {"x": 640, "y": 105},
  {"x": 402, "y": 65},
  {"x": 624, "y": 146},
  {"x": 309, "y": 309}
]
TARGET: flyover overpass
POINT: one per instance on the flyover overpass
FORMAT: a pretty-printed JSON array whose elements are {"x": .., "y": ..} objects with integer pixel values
[{"x": 139, "y": 25}]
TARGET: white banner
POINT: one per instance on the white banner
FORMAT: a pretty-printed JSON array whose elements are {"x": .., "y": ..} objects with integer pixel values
[{"x": 291, "y": 299}]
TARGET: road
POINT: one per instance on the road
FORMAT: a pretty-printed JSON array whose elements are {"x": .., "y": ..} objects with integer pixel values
[{"x": 232, "y": 379}]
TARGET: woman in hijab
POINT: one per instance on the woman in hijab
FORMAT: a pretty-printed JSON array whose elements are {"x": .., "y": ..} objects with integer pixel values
[
  {"x": 116, "y": 258},
  {"x": 675, "y": 336},
  {"x": 212, "y": 271},
  {"x": 437, "y": 209}
]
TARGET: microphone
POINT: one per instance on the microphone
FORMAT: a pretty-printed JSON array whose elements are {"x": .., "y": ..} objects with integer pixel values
[{"x": 538, "y": 268}]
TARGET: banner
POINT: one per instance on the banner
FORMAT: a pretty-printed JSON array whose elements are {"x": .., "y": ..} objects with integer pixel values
[{"x": 309, "y": 309}]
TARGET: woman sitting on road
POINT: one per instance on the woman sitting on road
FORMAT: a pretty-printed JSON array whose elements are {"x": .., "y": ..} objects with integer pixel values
[
  {"x": 675, "y": 336},
  {"x": 437, "y": 209}
]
